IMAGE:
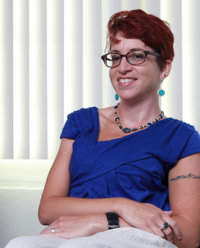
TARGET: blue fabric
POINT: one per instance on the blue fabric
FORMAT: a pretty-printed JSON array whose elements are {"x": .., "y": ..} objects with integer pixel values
[{"x": 135, "y": 166}]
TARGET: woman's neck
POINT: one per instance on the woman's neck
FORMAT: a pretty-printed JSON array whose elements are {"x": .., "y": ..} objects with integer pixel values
[{"x": 135, "y": 115}]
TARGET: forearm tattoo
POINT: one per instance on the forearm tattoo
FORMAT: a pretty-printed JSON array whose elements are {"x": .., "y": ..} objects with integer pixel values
[{"x": 183, "y": 177}]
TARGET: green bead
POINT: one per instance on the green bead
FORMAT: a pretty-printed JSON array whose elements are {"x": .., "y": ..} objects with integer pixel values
[{"x": 126, "y": 130}]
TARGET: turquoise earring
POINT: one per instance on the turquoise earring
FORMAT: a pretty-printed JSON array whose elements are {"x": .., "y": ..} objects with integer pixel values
[
  {"x": 116, "y": 96},
  {"x": 161, "y": 92}
]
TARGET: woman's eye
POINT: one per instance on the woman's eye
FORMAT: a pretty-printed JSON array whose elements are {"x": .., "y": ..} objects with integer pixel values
[
  {"x": 137, "y": 55},
  {"x": 115, "y": 58}
]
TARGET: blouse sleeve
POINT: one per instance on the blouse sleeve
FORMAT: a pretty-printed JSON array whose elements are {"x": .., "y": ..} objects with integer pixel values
[
  {"x": 73, "y": 126},
  {"x": 192, "y": 146}
]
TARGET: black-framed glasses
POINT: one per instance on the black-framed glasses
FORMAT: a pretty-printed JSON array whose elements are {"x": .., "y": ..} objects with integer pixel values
[{"x": 134, "y": 57}]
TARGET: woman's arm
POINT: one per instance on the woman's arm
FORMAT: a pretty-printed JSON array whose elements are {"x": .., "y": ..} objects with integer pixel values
[{"x": 184, "y": 197}]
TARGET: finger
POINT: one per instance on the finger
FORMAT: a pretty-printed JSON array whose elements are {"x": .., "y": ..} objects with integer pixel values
[
  {"x": 156, "y": 230},
  {"x": 52, "y": 226},
  {"x": 43, "y": 232},
  {"x": 50, "y": 231},
  {"x": 48, "y": 234},
  {"x": 165, "y": 234},
  {"x": 152, "y": 228},
  {"x": 169, "y": 234},
  {"x": 65, "y": 233},
  {"x": 173, "y": 226},
  {"x": 169, "y": 213}
]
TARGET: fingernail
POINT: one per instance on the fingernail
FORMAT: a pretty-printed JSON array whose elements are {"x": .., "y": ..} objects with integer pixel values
[{"x": 179, "y": 237}]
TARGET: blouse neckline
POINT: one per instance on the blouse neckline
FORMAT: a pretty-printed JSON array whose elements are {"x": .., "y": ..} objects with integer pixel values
[{"x": 126, "y": 136}]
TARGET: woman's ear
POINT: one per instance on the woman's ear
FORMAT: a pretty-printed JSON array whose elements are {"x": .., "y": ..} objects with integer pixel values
[{"x": 166, "y": 70}]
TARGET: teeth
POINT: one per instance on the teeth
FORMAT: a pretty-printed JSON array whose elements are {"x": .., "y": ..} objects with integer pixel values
[{"x": 127, "y": 80}]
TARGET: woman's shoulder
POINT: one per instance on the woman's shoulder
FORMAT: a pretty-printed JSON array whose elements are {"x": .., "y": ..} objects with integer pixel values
[
  {"x": 171, "y": 139},
  {"x": 78, "y": 120},
  {"x": 89, "y": 114},
  {"x": 179, "y": 134},
  {"x": 172, "y": 123},
  {"x": 83, "y": 112},
  {"x": 174, "y": 133},
  {"x": 106, "y": 112}
]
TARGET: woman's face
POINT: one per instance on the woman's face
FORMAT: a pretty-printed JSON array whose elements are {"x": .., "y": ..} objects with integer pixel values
[{"x": 135, "y": 82}]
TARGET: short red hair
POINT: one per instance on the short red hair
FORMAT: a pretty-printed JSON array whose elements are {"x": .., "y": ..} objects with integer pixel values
[{"x": 137, "y": 24}]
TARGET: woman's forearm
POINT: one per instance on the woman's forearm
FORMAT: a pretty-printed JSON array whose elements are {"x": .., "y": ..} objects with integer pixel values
[{"x": 52, "y": 208}]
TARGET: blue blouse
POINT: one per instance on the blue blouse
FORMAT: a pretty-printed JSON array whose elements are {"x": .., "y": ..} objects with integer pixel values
[{"x": 134, "y": 166}]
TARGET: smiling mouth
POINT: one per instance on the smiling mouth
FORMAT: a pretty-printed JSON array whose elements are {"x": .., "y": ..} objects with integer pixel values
[{"x": 127, "y": 80}]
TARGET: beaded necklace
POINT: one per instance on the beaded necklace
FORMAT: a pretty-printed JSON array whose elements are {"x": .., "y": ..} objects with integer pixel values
[{"x": 128, "y": 130}]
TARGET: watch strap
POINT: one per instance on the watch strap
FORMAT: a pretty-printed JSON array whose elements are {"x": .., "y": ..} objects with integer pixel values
[{"x": 113, "y": 220}]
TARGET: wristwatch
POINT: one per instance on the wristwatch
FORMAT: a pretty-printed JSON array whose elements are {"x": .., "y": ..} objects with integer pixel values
[{"x": 113, "y": 221}]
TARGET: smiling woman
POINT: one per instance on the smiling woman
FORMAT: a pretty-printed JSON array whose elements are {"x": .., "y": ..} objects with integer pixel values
[{"x": 121, "y": 167}]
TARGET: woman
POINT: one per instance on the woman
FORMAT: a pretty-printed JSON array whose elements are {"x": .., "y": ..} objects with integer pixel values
[{"x": 129, "y": 160}]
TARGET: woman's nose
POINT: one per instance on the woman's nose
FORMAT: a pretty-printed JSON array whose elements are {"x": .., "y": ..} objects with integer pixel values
[{"x": 124, "y": 66}]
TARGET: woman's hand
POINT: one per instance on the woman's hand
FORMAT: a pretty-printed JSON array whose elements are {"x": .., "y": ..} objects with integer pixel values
[
  {"x": 69, "y": 227},
  {"x": 149, "y": 218}
]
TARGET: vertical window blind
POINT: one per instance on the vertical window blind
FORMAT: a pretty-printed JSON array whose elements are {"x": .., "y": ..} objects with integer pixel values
[{"x": 50, "y": 65}]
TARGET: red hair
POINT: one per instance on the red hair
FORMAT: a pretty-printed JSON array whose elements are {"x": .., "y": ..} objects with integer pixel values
[{"x": 137, "y": 24}]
